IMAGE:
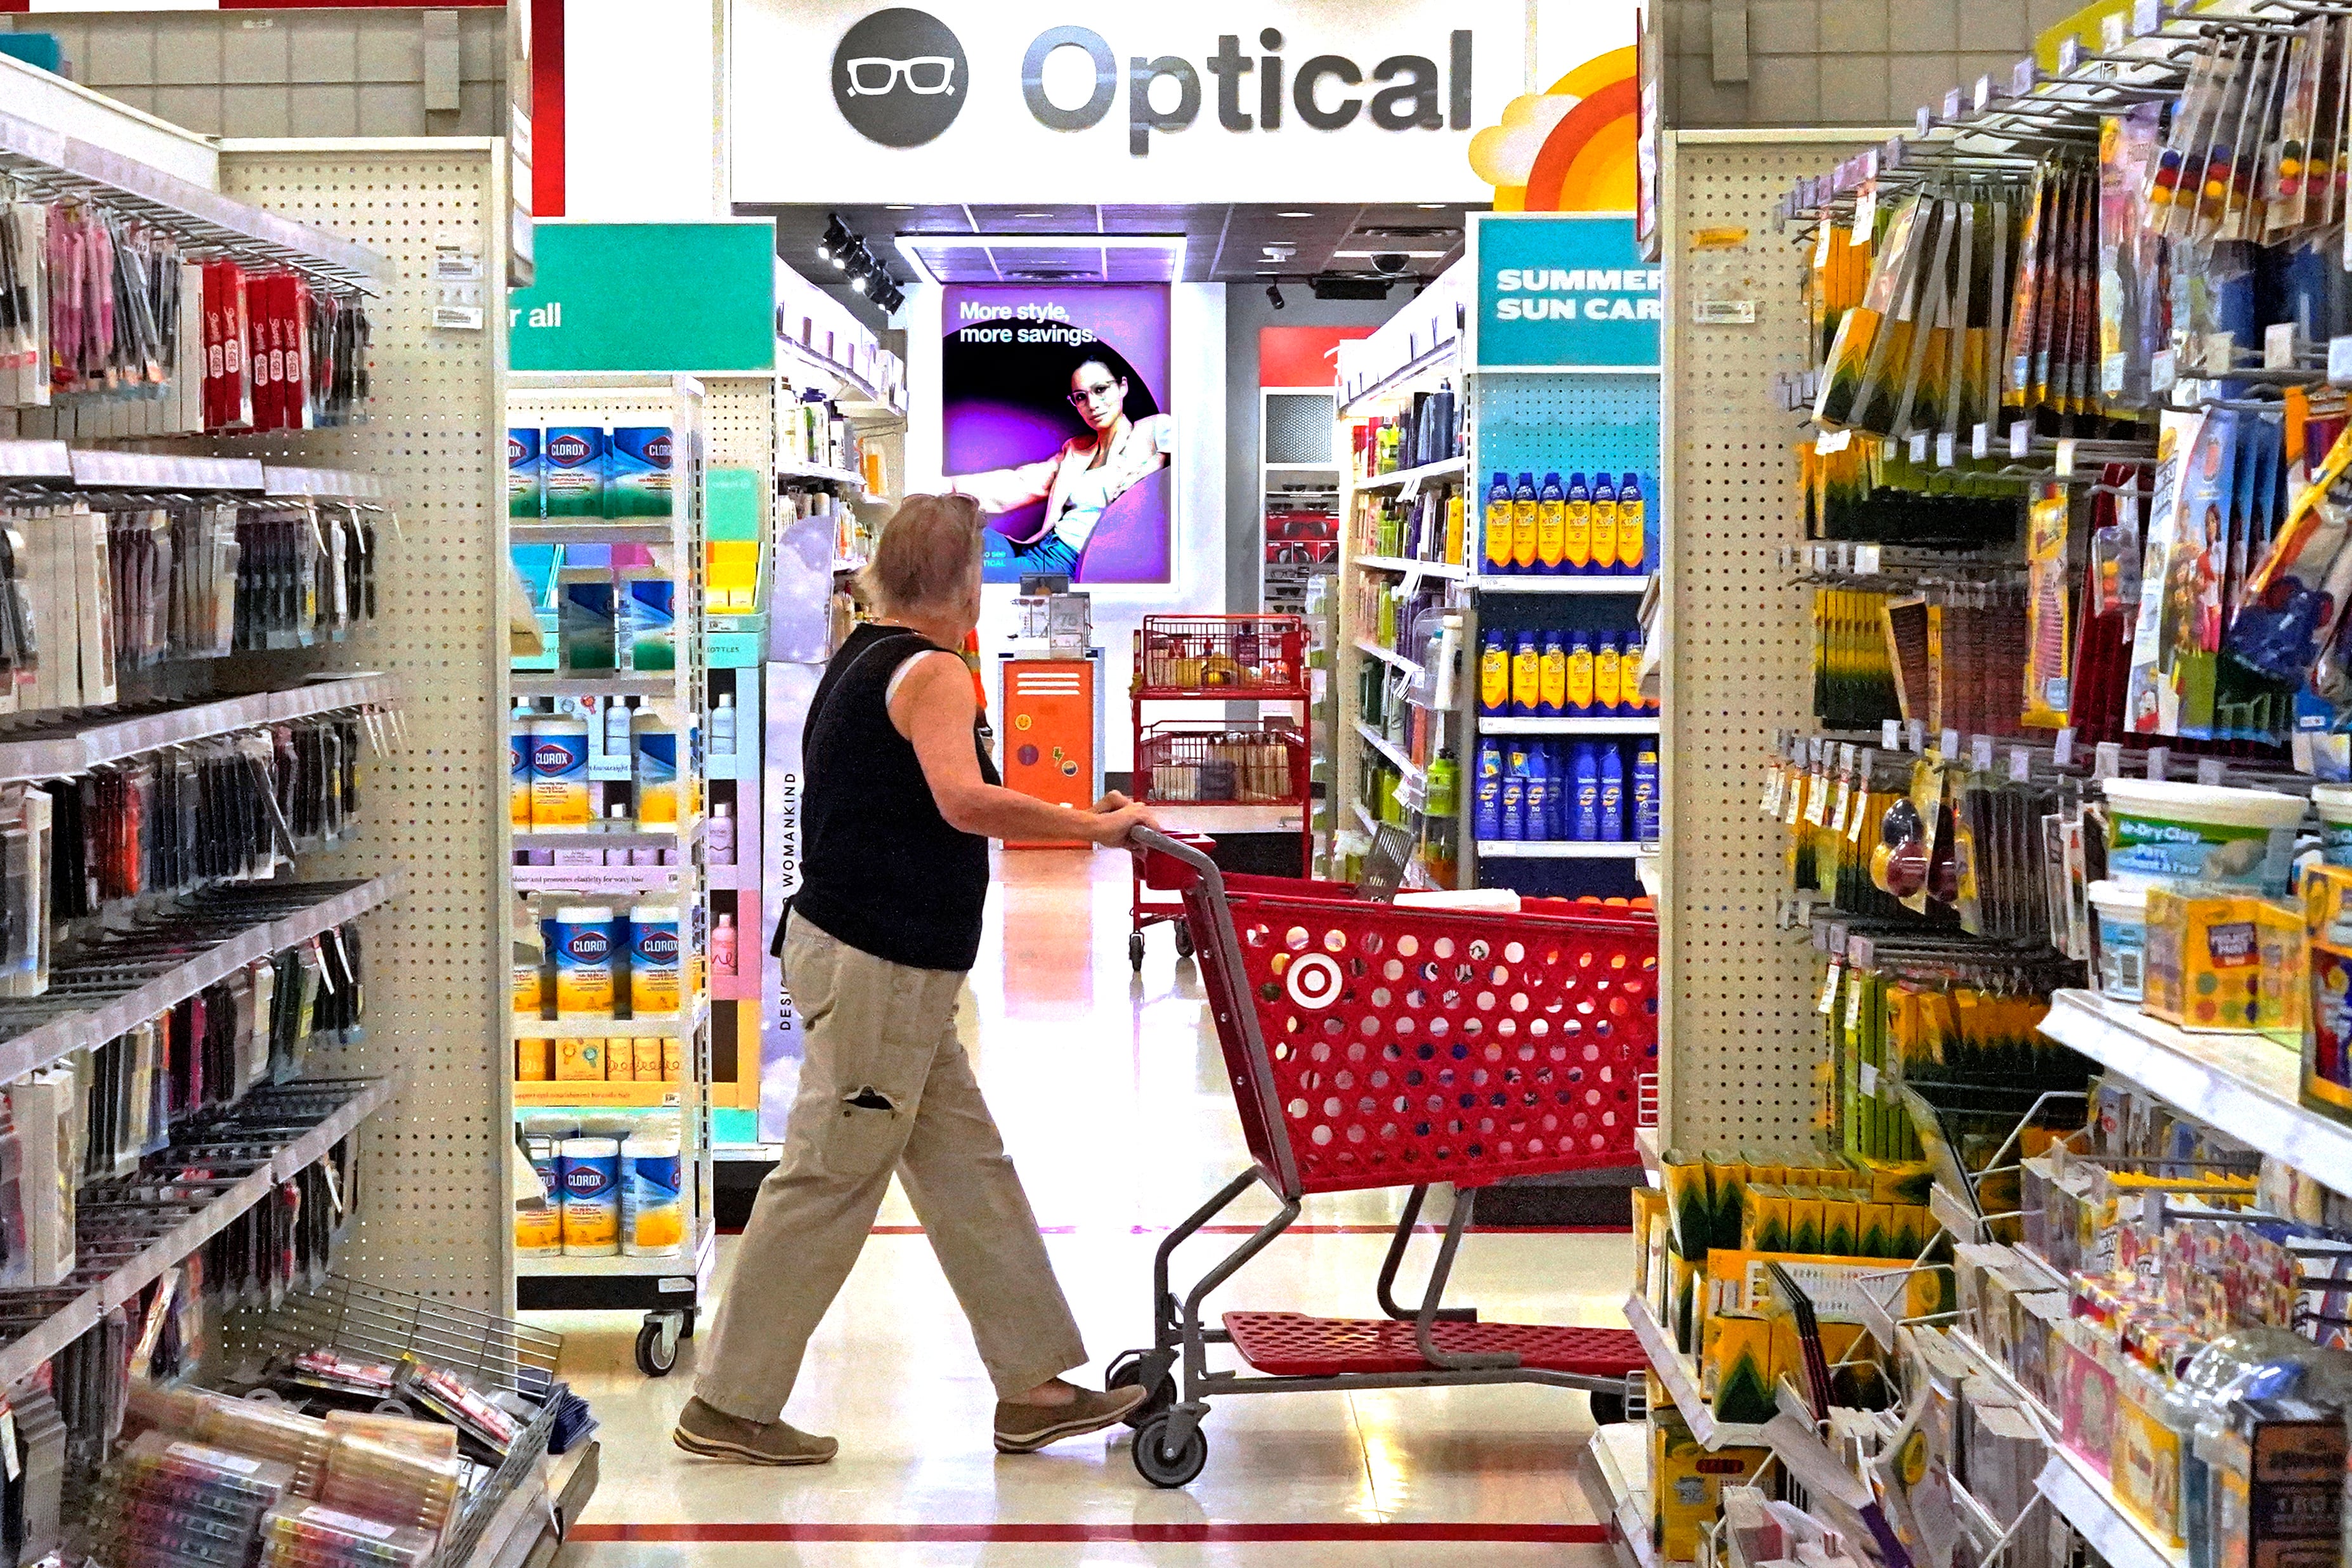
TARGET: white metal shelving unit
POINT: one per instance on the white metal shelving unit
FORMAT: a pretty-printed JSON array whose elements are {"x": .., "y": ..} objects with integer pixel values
[{"x": 678, "y": 695}]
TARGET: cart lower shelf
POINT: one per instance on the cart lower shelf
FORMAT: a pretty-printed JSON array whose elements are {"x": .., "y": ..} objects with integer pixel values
[{"x": 1291, "y": 1344}]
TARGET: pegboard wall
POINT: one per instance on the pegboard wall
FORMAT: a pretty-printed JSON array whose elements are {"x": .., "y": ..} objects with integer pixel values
[
  {"x": 434, "y": 1219},
  {"x": 738, "y": 413},
  {"x": 1741, "y": 1036}
]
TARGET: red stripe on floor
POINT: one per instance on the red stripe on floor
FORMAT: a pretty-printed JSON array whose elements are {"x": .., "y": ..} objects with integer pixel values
[
  {"x": 1294, "y": 1230},
  {"x": 1055, "y": 1534}
]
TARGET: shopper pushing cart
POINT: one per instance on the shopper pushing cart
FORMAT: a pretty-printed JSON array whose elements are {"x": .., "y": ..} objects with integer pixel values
[{"x": 1371, "y": 1045}]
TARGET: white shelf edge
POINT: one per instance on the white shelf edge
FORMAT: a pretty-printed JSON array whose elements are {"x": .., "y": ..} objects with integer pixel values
[
  {"x": 1388, "y": 655},
  {"x": 2089, "y": 1505},
  {"x": 1680, "y": 1379},
  {"x": 685, "y": 1262},
  {"x": 1382, "y": 744},
  {"x": 2191, "y": 1072},
  {"x": 1507, "y": 849},
  {"x": 1444, "y": 468},
  {"x": 1623, "y": 1505},
  {"x": 1440, "y": 354},
  {"x": 818, "y": 472},
  {"x": 37, "y": 1047},
  {"x": 588, "y": 530},
  {"x": 670, "y": 1025},
  {"x": 1631, "y": 585},
  {"x": 110, "y": 740},
  {"x": 1403, "y": 564},
  {"x": 1582, "y": 724}
]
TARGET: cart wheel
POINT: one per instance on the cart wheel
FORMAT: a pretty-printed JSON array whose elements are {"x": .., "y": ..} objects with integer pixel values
[
  {"x": 1184, "y": 942},
  {"x": 1135, "y": 948},
  {"x": 657, "y": 1350},
  {"x": 686, "y": 1325},
  {"x": 1165, "y": 1470},
  {"x": 1608, "y": 1409},
  {"x": 1126, "y": 1373}
]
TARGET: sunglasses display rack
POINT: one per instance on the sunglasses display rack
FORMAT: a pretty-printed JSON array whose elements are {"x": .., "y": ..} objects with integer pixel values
[
  {"x": 2049, "y": 486},
  {"x": 618, "y": 928}
]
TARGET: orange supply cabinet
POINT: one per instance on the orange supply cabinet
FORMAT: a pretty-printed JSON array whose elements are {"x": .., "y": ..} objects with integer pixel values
[{"x": 1051, "y": 728}]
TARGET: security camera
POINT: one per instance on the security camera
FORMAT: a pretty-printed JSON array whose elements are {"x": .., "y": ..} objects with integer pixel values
[{"x": 1390, "y": 263}]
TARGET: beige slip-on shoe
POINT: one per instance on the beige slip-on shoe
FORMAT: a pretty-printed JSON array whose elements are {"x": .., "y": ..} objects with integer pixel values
[
  {"x": 713, "y": 1433},
  {"x": 1025, "y": 1428}
]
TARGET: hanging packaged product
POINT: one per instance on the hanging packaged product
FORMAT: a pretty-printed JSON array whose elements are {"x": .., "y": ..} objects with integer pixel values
[
  {"x": 639, "y": 481},
  {"x": 574, "y": 459},
  {"x": 526, "y": 473}
]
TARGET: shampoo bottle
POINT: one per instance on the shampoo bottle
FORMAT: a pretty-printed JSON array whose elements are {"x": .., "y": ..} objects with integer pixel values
[
  {"x": 1498, "y": 524},
  {"x": 1525, "y": 523},
  {"x": 1579, "y": 549},
  {"x": 1551, "y": 677},
  {"x": 1551, "y": 524},
  {"x": 1605, "y": 523},
  {"x": 718, "y": 838},
  {"x": 722, "y": 726}
]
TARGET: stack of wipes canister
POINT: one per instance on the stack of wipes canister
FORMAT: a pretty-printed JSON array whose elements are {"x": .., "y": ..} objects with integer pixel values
[{"x": 616, "y": 1182}]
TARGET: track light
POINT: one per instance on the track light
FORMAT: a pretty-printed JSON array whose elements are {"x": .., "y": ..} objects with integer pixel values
[
  {"x": 837, "y": 239},
  {"x": 1274, "y": 295}
]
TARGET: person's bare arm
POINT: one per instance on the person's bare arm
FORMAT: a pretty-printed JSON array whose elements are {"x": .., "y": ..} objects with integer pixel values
[
  {"x": 934, "y": 709},
  {"x": 1004, "y": 489}
]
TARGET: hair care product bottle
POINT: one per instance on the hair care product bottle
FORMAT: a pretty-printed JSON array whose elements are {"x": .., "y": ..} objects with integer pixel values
[
  {"x": 1498, "y": 524},
  {"x": 1607, "y": 684},
  {"x": 1605, "y": 523},
  {"x": 1633, "y": 541},
  {"x": 1551, "y": 524},
  {"x": 722, "y": 726},
  {"x": 1578, "y": 550},
  {"x": 1645, "y": 791},
  {"x": 1580, "y": 673},
  {"x": 1445, "y": 788},
  {"x": 1515, "y": 796},
  {"x": 1525, "y": 525},
  {"x": 1526, "y": 676},
  {"x": 1551, "y": 677},
  {"x": 1612, "y": 794},
  {"x": 722, "y": 945},
  {"x": 1493, "y": 672},
  {"x": 1585, "y": 772},
  {"x": 718, "y": 838},
  {"x": 1486, "y": 803},
  {"x": 616, "y": 820}
]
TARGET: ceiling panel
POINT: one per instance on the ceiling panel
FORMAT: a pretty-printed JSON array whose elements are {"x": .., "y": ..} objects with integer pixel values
[{"x": 1040, "y": 219}]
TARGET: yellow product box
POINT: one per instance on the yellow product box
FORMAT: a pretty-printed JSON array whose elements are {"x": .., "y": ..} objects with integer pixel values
[
  {"x": 579, "y": 1061},
  {"x": 1841, "y": 1225},
  {"x": 1727, "y": 1178},
  {"x": 1685, "y": 1312},
  {"x": 1740, "y": 1284},
  {"x": 673, "y": 1060},
  {"x": 533, "y": 1060},
  {"x": 1735, "y": 1371},
  {"x": 1912, "y": 1228},
  {"x": 620, "y": 1062},
  {"x": 1875, "y": 1235},
  {"x": 1649, "y": 1206},
  {"x": 1893, "y": 1180},
  {"x": 1690, "y": 1207},
  {"x": 1687, "y": 1483},
  {"x": 2146, "y": 1457},
  {"x": 1805, "y": 1221},
  {"x": 2326, "y": 1082},
  {"x": 2223, "y": 963},
  {"x": 1764, "y": 1218},
  {"x": 646, "y": 1054},
  {"x": 1765, "y": 1168}
]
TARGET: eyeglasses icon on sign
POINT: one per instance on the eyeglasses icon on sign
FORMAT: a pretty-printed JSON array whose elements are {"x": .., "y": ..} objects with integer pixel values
[{"x": 874, "y": 77}]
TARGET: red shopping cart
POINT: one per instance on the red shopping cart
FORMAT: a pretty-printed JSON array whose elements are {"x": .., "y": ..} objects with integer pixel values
[{"x": 1373, "y": 1046}]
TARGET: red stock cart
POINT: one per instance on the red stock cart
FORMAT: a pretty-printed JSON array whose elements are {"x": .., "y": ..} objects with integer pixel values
[
  {"x": 1374, "y": 1046},
  {"x": 1231, "y": 776}
]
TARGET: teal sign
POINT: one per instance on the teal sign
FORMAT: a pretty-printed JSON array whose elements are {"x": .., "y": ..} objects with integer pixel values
[
  {"x": 1558, "y": 288},
  {"x": 660, "y": 297}
]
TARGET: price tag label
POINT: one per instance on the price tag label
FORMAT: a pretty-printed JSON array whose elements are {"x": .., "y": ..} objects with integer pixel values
[
  {"x": 1822, "y": 241},
  {"x": 2339, "y": 361},
  {"x": 1918, "y": 446},
  {"x": 2278, "y": 346},
  {"x": 1981, "y": 440},
  {"x": 1845, "y": 757},
  {"x": 2146, "y": 16},
  {"x": 1953, "y": 104},
  {"x": 2020, "y": 440},
  {"x": 2070, "y": 50},
  {"x": 2219, "y": 353},
  {"x": 1918, "y": 728},
  {"x": 1844, "y": 799},
  {"x": 1833, "y": 441},
  {"x": 1982, "y": 99},
  {"x": 1865, "y": 560},
  {"x": 1949, "y": 744},
  {"x": 2208, "y": 771},
  {"x": 1922, "y": 119},
  {"x": 1981, "y": 754},
  {"x": 1867, "y": 1075},
  {"x": 2066, "y": 448},
  {"x": 2021, "y": 765},
  {"x": 2113, "y": 29},
  {"x": 2163, "y": 370},
  {"x": 1797, "y": 788},
  {"x": 1947, "y": 448},
  {"x": 1829, "y": 989},
  {"x": 2022, "y": 77},
  {"x": 1890, "y": 735},
  {"x": 1853, "y": 1007},
  {"x": 2107, "y": 762},
  {"x": 2063, "y": 748},
  {"x": 2159, "y": 763}
]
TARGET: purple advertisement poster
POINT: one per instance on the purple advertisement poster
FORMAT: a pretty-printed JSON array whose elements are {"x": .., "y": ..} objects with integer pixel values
[{"x": 1057, "y": 407}]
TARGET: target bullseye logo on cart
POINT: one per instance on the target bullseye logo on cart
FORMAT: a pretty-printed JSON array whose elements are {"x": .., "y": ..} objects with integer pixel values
[
  {"x": 1314, "y": 981},
  {"x": 899, "y": 77}
]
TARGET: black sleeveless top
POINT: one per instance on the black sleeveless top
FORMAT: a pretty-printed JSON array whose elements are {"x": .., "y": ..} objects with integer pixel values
[{"x": 881, "y": 867}]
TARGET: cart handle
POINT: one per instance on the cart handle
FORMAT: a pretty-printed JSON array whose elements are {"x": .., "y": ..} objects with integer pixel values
[{"x": 1193, "y": 866}]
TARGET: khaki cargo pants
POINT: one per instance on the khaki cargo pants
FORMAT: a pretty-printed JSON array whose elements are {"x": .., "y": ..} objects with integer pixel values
[{"x": 885, "y": 1087}]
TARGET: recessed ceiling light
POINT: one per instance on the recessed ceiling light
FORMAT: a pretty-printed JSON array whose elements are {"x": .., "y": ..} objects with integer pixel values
[
  {"x": 1431, "y": 207},
  {"x": 898, "y": 207},
  {"x": 1027, "y": 216},
  {"x": 1294, "y": 215}
]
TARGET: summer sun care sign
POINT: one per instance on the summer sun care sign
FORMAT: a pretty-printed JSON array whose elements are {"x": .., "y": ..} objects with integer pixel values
[
  {"x": 1563, "y": 289},
  {"x": 662, "y": 297}
]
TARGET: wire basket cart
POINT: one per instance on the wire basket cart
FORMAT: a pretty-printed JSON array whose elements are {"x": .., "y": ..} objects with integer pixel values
[
  {"x": 1372, "y": 1045},
  {"x": 1204, "y": 774}
]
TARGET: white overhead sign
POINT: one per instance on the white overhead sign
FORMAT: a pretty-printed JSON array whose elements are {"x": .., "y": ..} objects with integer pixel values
[{"x": 1043, "y": 101}]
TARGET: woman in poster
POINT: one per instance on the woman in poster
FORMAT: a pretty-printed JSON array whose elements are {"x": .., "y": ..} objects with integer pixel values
[{"x": 1086, "y": 476}]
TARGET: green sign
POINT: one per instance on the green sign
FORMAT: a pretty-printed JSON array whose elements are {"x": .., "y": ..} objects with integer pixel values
[{"x": 662, "y": 297}]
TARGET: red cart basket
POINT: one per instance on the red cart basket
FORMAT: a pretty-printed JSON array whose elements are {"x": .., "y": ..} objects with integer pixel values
[{"x": 1373, "y": 1046}]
